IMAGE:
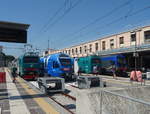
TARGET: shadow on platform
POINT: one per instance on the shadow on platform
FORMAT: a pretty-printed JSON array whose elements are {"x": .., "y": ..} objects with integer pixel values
[
  {"x": 70, "y": 106},
  {"x": 22, "y": 96}
]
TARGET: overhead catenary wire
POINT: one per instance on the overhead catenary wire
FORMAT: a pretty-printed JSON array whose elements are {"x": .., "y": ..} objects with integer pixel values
[
  {"x": 22, "y": 48},
  {"x": 122, "y": 18},
  {"x": 112, "y": 22},
  {"x": 54, "y": 15},
  {"x": 72, "y": 5},
  {"x": 102, "y": 17},
  {"x": 71, "y": 36},
  {"x": 66, "y": 11},
  {"x": 13, "y": 48}
]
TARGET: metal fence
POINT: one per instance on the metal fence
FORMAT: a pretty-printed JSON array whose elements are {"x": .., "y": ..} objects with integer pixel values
[{"x": 114, "y": 103}]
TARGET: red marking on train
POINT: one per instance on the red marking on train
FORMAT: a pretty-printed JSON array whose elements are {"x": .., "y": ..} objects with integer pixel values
[
  {"x": 29, "y": 76},
  {"x": 66, "y": 69},
  {"x": 30, "y": 69}
]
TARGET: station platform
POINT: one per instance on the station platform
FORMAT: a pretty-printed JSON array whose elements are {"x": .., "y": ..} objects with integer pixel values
[{"x": 21, "y": 98}]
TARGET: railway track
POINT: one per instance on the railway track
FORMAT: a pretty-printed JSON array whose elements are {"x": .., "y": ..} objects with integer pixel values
[
  {"x": 65, "y": 100},
  {"x": 68, "y": 102},
  {"x": 73, "y": 86}
]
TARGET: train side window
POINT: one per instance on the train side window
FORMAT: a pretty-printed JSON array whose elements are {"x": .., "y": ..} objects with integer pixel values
[{"x": 55, "y": 64}]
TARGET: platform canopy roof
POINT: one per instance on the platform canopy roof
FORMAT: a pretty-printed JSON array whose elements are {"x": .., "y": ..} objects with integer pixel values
[
  {"x": 130, "y": 49},
  {"x": 13, "y": 32}
]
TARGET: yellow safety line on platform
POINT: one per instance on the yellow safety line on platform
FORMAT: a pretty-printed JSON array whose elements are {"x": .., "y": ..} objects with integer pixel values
[{"x": 40, "y": 101}]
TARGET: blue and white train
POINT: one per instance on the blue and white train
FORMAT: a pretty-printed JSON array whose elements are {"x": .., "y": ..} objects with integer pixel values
[
  {"x": 58, "y": 65},
  {"x": 118, "y": 61}
]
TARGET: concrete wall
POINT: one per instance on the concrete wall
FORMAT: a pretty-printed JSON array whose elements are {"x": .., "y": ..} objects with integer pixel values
[
  {"x": 88, "y": 101},
  {"x": 113, "y": 104},
  {"x": 119, "y": 101}
]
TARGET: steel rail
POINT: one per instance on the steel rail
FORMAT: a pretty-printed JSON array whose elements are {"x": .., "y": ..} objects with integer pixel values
[
  {"x": 73, "y": 86},
  {"x": 61, "y": 105},
  {"x": 69, "y": 96}
]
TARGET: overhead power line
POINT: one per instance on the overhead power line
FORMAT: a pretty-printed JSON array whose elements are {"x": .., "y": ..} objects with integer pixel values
[
  {"x": 97, "y": 20},
  {"x": 68, "y": 6},
  {"x": 102, "y": 17},
  {"x": 54, "y": 15},
  {"x": 12, "y": 48},
  {"x": 65, "y": 13},
  {"x": 22, "y": 48},
  {"x": 112, "y": 22},
  {"x": 123, "y": 17}
]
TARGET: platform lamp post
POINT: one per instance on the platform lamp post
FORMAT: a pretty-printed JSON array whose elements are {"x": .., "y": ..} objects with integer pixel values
[{"x": 136, "y": 54}]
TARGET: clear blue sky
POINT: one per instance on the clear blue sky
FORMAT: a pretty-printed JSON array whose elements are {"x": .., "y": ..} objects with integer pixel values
[{"x": 65, "y": 31}]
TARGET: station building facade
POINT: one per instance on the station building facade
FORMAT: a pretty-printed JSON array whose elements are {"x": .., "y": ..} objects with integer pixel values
[{"x": 132, "y": 38}]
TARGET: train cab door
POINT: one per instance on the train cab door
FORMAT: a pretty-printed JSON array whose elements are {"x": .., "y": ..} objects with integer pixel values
[{"x": 55, "y": 69}]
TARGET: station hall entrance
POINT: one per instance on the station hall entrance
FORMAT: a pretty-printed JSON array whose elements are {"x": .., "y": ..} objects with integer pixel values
[{"x": 139, "y": 62}]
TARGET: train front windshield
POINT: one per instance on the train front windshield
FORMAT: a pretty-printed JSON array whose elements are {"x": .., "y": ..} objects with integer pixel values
[
  {"x": 31, "y": 60},
  {"x": 95, "y": 60},
  {"x": 65, "y": 62}
]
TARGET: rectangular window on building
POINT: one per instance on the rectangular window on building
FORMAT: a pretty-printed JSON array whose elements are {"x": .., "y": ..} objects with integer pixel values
[
  {"x": 96, "y": 46},
  {"x": 112, "y": 43},
  {"x": 80, "y": 50},
  {"x": 72, "y": 51},
  {"x": 66, "y": 51},
  {"x": 103, "y": 45},
  {"x": 69, "y": 52},
  {"x": 90, "y": 46},
  {"x": 46, "y": 52},
  {"x": 133, "y": 37},
  {"x": 121, "y": 40},
  {"x": 147, "y": 35},
  {"x": 85, "y": 49},
  {"x": 76, "y": 50}
]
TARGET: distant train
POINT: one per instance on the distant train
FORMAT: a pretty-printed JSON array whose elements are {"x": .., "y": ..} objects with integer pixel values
[
  {"x": 58, "y": 65},
  {"x": 104, "y": 64},
  {"x": 29, "y": 65},
  {"x": 86, "y": 64},
  {"x": 118, "y": 61}
]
